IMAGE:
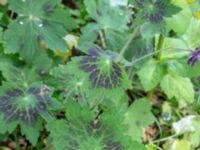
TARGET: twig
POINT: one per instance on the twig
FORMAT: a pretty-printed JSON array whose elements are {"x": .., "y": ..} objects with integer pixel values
[
  {"x": 101, "y": 35},
  {"x": 11, "y": 14}
]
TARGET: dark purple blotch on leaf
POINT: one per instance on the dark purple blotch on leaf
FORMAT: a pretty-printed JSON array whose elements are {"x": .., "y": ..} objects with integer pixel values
[
  {"x": 89, "y": 65},
  {"x": 9, "y": 106}
]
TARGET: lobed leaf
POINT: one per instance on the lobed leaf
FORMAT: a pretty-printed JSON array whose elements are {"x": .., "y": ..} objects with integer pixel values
[
  {"x": 138, "y": 117},
  {"x": 93, "y": 77},
  {"x": 179, "y": 87},
  {"x": 81, "y": 134},
  {"x": 151, "y": 74},
  {"x": 37, "y": 22}
]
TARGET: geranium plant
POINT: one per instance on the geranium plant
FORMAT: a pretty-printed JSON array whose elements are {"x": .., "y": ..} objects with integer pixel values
[{"x": 99, "y": 74}]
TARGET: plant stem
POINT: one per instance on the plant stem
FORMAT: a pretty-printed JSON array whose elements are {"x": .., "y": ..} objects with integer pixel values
[
  {"x": 158, "y": 125},
  {"x": 150, "y": 95},
  {"x": 151, "y": 54},
  {"x": 130, "y": 39},
  {"x": 160, "y": 42},
  {"x": 102, "y": 39},
  {"x": 17, "y": 140},
  {"x": 166, "y": 138}
]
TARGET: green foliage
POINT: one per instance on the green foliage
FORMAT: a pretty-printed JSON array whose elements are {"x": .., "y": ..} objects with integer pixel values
[
  {"x": 179, "y": 87},
  {"x": 139, "y": 109},
  {"x": 83, "y": 132},
  {"x": 93, "y": 78},
  {"x": 191, "y": 37},
  {"x": 151, "y": 74},
  {"x": 23, "y": 108},
  {"x": 24, "y": 99},
  {"x": 37, "y": 21},
  {"x": 195, "y": 136},
  {"x": 152, "y": 14},
  {"x": 176, "y": 22},
  {"x": 99, "y": 74},
  {"x": 106, "y": 14}
]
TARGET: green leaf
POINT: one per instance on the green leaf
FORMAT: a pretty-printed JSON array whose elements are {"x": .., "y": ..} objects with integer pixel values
[
  {"x": 176, "y": 22},
  {"x": 91, "y": 8},
  {"x": 181, "y": 67},
  {"x": 39, "y": 21},
  {"x": 7, "y": 127},
  {"x": 23, "y": 106},
  {"x": 102, "y": 69},
  {"x": 192, "y": 71},
  {"x": 182, "y": 144},
  {"x": 195, "y": 136},
  {"x": 32, "y": 133},
  {"x": 89, "y": 34},
  {"x": 173, "y": 48},
  {"x": 151, "y": 74},
  {"x": 4, "y": 16},
  {"x": 60, "y": 15},
  {"x": 83, "y": 134},
  {"x": 93, "y": 78},
  {"x": 107, "y": 16},
  {"x": 24, "y": 99},
  {"x": 115, "y": 40},
  {"x": 148, "y": 30},
  {"x": 138, "y": 117},
  {"x": 80, "y": 112},
  {"x": 153, "y": 14},
  {"x": 178, "y": 87},
  {"x": 113, "y": 18},
  {"x": 190, "y": 37},
  {"x": 15, "y": 72},
  {"x": 138, "y": 48},
  {"x": 116, "y": 3}
]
